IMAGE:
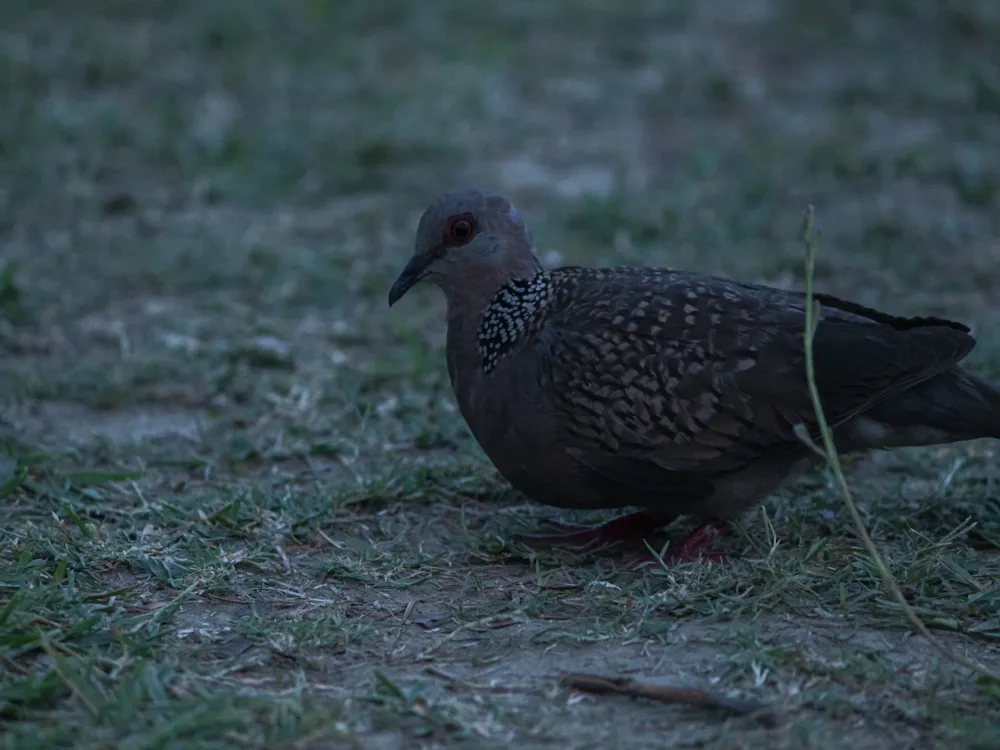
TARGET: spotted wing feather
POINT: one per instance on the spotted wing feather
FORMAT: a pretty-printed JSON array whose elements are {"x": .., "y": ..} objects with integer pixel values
[{"x": 702, "y": 376}]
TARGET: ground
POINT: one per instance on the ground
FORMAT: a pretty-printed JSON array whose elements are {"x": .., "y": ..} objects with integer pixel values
[{"x": 239, "y": 506}]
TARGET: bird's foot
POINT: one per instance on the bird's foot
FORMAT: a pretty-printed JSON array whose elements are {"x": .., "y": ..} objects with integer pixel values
[
  {"x": 580, "y": 538},
  {"x": 695, "y": 545}
]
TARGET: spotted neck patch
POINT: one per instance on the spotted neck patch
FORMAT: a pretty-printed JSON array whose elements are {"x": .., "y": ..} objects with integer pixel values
[{"x": 512, "y": 314}]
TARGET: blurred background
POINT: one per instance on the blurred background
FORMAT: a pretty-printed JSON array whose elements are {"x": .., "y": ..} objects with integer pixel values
[{"x": 197, "y": 170}]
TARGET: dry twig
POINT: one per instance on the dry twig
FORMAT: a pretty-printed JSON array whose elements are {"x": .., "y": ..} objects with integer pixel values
[{"x": 588, "y": 683}]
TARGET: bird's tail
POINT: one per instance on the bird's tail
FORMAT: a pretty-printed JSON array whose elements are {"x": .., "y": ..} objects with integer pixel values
[{"x": 952, "y": 406}]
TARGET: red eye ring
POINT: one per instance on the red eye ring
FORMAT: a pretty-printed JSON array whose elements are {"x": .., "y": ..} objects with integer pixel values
[{"x": 459, "y": 230}]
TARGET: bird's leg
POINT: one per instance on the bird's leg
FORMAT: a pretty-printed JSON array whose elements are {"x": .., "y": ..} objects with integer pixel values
[
  {"x": 629, "y": 527},
  {"x": 699, "y": 542},
  {"x": 696, "y": 544}
]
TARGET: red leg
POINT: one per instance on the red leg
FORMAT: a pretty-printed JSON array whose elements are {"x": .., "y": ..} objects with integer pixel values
[
  {"x": 692, "y": 546},
  {"x": 630, "y": 527}
]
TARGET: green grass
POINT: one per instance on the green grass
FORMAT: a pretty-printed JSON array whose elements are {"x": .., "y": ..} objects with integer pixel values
[{"x": 239, "y": 507}]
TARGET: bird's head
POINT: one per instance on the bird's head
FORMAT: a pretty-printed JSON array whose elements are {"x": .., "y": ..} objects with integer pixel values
[{"x": 468, "y": 240}]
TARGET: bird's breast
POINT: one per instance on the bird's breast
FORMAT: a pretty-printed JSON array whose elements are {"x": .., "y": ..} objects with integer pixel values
[{"x": 507, "y": 414}]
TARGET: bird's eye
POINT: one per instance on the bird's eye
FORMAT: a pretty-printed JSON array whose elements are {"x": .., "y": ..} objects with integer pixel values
[{"x": 459, "y": 230}]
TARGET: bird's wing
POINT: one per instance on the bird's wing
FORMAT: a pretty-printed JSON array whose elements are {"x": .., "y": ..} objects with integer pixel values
[{"x": 699, "y": 375}]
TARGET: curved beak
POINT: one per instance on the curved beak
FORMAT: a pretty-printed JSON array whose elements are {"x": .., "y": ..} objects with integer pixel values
[{"x": 410, "y": 275}]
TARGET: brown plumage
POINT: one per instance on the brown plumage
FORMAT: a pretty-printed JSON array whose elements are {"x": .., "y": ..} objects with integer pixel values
[{"x": 673, "y": 391}]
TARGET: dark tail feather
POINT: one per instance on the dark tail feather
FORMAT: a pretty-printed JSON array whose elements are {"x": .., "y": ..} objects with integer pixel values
[{"x": 955, "y": 405}]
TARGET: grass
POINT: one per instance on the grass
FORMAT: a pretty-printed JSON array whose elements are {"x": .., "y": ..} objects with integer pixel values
[{"x": 239, "y": 507}]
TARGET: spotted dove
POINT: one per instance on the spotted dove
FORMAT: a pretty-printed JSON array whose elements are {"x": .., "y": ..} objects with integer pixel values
[{"x": 673, "y": 391}]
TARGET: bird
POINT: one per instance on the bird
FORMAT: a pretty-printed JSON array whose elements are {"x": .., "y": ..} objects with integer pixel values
[{"x": 671, "y": 392}]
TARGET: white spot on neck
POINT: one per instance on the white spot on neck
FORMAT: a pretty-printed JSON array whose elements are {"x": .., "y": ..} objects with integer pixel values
[{"x": 512, "y": 313}]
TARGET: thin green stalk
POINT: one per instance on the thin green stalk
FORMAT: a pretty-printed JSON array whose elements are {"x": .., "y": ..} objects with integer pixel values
[{"x": 828, "y": 452}]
